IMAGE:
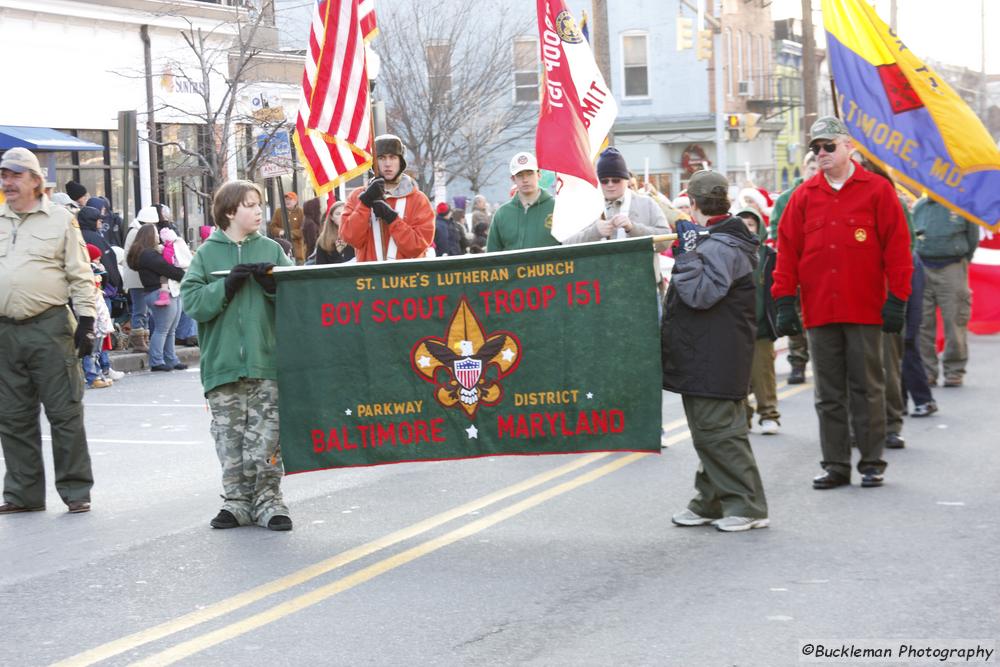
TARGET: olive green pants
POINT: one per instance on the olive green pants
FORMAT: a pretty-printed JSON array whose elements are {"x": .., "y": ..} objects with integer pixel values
[
  {"x": 39, "y": 366},
  {"x": 763, "y": 384},
  {"x": 727, "y": 482},
  {"x": 850, "y": 389},
  {"x": 892, "y": 360},
  {"x": 946, "y": 288}
]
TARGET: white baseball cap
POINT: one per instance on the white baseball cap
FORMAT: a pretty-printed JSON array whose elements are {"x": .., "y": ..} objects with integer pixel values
[{"x": 523, "y": 162}]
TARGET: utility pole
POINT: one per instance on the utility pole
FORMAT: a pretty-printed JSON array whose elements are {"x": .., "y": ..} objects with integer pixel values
[
  {"x": 810, "y": 97},
  {"x": 721, "y": 157},
  {"x": 983, "y": 97},
  {"x": 892, "y": 17},
  {"x": 599, "y": 42}
]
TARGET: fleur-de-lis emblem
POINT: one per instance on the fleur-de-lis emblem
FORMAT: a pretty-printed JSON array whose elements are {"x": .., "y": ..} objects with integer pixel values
[{"x": 458, "y": 363}]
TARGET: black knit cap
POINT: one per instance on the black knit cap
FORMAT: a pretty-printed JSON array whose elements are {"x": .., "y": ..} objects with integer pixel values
[
  {"x": 75, "y": 190},
  {"x": 611, "y": 164}
]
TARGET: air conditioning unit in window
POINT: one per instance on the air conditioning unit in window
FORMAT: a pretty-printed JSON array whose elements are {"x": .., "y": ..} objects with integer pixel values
[{"x": 745, "y": 88}]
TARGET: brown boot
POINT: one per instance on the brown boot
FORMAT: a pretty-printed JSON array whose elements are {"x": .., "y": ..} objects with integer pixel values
[{"x": 138, "y": 340}]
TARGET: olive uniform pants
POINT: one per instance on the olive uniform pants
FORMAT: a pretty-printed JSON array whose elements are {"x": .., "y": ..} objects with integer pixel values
[
  {"x": 39, "y": 366},
  {"x": 895, "y": 403},
  {"x": 847, "y": 366},
  {"x": 727, "y": 482},
  {"x": 763, "y": 384},
  {"x": 946, "y": 288},
  {"x": 245, "y": 428},
  {"x": 798, "y": 346}
]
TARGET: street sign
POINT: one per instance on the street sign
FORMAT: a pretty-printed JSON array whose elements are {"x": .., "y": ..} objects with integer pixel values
[{"x": 275, "y": 154}]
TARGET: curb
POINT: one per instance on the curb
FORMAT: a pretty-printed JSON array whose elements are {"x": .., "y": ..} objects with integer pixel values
[{"x": 132, "y": 362}]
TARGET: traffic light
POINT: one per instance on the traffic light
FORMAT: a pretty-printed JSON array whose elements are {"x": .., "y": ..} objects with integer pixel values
[
  {"x": 685, "y": 33},
  {"x": 733, "y": 123},
  {"x": 705, "y": 44}
]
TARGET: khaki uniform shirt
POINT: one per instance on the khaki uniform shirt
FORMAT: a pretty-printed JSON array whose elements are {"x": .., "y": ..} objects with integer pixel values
[{"x": 43, "y": 263}]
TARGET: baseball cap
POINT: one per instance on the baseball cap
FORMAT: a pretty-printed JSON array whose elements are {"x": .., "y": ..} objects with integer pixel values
[
  {"x": 707, "y": 183},
  {"x": 827, "y": 127},
  {"x": 20, "y": 160},
  {"x": 523, "y": 162}
]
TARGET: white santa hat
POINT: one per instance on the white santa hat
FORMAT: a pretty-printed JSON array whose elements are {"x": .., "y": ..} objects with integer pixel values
[
  {"x": 682, "y": 201},
  {"x": 752, "y": 196}
]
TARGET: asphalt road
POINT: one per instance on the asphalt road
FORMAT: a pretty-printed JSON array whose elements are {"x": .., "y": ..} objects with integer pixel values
[{"x": 568, "y": 560}]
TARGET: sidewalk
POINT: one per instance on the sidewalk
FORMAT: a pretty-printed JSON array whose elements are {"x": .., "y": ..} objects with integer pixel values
[{"x": 130, "y": 362}]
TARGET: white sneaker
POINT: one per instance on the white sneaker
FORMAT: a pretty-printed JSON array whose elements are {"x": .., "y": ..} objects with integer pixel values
[
  {"x": 736, "y": 524},
  {"x": 689, "y": 518},
  {"x": 663, "y": 438},
  {"x": 114, "y": 375},
  {"x": 769, "y": 427}
]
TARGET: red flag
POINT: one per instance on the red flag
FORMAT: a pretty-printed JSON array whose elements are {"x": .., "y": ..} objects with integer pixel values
[
  {"x": 333, "y": 128},
  {"x": 577, "y": 113}
]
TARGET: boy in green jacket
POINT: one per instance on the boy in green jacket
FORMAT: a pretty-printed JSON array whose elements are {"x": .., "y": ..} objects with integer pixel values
[{"x": 235, "y": 318}]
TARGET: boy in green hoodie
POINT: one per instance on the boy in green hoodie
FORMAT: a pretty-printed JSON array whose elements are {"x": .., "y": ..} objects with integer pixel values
[{"x": 236, "y": 330}]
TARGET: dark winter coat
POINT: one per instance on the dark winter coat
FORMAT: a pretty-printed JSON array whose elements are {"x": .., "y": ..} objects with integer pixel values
[
  {"x": 87, "y": 218},
  {"x": 709, "y": 323}
]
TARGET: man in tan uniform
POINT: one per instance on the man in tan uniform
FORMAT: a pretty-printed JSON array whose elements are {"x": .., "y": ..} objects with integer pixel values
[{"x": 43, "y": 265}]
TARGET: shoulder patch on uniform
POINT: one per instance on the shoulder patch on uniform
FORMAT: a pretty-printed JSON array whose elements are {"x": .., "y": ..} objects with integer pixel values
[
  {"x": 548, "y": 221},
  {"x": 74, "y": 222}
]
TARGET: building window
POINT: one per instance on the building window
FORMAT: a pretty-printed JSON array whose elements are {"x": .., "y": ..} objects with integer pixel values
[
  {"x": 635, "y": 62},
  {"x": 729, "y": 60},
  {"x": 739, "y": 56},
  {"x": 438, "y": 55},
  {"x": 525, "y": 69}
]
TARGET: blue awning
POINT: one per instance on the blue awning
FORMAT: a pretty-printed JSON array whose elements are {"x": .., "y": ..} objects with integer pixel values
[{"x": 42, "y": 139}]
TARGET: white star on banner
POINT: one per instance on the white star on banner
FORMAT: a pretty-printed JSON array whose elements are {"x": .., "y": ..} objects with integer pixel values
[
  {"x": 424, "y": 361},
  {"x": 507, "y": 354},
  {"x": 472, "y": 432},
  {"x": 347, "y": 412},
  {"x": 590, "y": 394}
]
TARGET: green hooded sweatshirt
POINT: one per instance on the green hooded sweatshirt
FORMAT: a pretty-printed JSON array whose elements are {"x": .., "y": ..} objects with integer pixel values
[
  {"x": 237, "y": 338},
  {"x": 514, "y": 228}
]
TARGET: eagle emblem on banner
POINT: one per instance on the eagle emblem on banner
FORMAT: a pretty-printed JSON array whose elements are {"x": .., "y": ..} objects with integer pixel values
[{"x": 458, "y": 364}]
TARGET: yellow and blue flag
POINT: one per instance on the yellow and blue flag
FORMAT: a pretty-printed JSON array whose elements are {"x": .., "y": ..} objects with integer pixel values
[{"x": 904, "y": 116}]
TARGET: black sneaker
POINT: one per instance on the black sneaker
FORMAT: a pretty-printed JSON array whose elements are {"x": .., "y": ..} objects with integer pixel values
[
  {"x": 160, "y": 367},
  {"x": 180, "y": 367},
  {"x": 894, "y": 441},
  {"x": 280, "y": 522},
  {"x": 798, "y": 375},
  {"x": 225, "y": 519}
]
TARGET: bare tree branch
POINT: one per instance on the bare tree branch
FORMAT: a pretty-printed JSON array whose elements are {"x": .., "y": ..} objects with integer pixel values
[{"x": 448, "y": 82}]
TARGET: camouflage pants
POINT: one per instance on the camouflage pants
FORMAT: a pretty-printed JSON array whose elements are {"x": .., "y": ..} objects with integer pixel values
[{"x": 245, "y": 428}]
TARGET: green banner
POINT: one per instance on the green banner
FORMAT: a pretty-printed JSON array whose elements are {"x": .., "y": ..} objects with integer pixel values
[{"x": 546, "y": 351}]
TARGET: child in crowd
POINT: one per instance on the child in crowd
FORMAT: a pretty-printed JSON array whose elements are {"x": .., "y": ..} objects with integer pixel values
[
  {"x": 97, "y": 369},
  {"x": 236, "y": 331},
  {"x": 175, "y": 252},
  {"x": 762, "y": 381}
]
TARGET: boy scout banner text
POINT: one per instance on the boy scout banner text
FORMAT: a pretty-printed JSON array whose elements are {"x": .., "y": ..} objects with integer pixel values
[{"x": 534, "y": 352}]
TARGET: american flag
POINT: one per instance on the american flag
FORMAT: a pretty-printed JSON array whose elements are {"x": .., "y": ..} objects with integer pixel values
[{"x": 333, "y": 128}]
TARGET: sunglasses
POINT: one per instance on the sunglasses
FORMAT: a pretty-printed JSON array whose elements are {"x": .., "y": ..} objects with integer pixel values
[
  {"x": 611, "y": 181},
  {"x": 829, "y": 148}
]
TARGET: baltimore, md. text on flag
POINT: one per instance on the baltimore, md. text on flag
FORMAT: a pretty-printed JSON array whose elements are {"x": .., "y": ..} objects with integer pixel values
[
  {"x": 333, "y": 130},
  {"x": 508, "y": 353},
  {"x": 904, "y": 116},
  {"x": 577, "y": 113}
]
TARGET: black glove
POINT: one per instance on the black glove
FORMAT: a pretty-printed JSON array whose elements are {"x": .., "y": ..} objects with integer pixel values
[
  {"x": 237, "y": 276},
  {"x": 687, "y": 237},
  {"x": 384, "y": 212},
  {"x": 375, "y": 191},
  {"x": 262, "y": 274},
  {"x": 893, "y": 314},
  {"x": 787, "y": 322},
  {"x": 83, "y": 337}
]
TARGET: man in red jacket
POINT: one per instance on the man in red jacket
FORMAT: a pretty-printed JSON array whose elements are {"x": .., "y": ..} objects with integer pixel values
[
  {"x": 390, "y": 218},
  {"x": 843, "y": 239}
]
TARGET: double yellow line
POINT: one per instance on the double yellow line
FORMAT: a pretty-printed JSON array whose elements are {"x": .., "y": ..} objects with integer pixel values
[{"x": 229, "y": 605}]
